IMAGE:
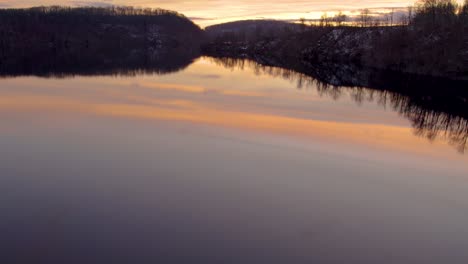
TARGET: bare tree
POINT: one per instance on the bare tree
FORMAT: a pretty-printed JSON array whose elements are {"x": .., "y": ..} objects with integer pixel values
[
  {"x": 410, "y": 14},
  {"x": 392, "y": 13},
  {"x": 324, "y": 20},
  {"x": 339, "y": 18},
  {"x": 464, "y": 12},
  {"x": 303, "y": 23},
  {"x": 436, "y": 13},
  {"x": 365, "y": 17}
]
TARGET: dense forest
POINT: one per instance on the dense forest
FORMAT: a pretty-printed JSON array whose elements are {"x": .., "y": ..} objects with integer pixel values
[
  {"x": 92, "y": 35},
  {"x": 432, "y": 39}
]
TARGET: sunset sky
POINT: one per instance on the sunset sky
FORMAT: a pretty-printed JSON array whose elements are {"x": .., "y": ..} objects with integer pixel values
[{"x": 208, "y": 12}]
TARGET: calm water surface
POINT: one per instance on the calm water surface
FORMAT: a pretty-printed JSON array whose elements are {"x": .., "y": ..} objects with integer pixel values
[{"x": 223, "y": 165}]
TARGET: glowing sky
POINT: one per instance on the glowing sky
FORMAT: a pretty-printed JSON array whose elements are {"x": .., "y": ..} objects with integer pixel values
[{"x": 208, "y": 12}]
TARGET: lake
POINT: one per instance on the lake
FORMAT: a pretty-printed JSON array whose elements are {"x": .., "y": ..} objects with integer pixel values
[{"x": 227, "y": 163}]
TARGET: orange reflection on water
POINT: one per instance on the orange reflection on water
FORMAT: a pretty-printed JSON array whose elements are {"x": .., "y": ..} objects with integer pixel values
[
  {"x": 372, "y": 135},
  {"x": 172, "y": 86}
]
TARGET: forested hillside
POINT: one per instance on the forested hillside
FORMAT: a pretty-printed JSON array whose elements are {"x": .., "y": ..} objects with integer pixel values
[
  {"x": 433, "y": 41},
  {"x": 93, "y": 34}
]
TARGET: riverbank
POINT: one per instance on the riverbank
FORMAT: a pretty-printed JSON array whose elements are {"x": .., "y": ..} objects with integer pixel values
[{"x": 402, "y": 49}]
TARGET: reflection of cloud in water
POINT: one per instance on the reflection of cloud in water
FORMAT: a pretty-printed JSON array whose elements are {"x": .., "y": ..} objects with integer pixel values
[
  {"x": 171, "y": 86},
  {"x": 196, "y": 89},
  {"x": 140, "y": 107},
  {"x": 210, "y": 76}
]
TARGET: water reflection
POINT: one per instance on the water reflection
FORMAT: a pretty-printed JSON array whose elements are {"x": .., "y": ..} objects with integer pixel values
[
  {"x": 215, "y": 164},
  {"x": 49, "y": 63},
  {"x": 437, "y": 108}
]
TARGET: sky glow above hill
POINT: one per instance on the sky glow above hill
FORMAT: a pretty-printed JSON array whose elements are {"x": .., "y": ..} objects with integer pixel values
[{"x": 209, "y": 12}]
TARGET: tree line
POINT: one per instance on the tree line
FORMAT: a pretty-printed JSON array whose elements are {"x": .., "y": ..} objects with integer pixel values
[
  {"x": 428, "y": 12},
  {"x": 433, "y": 41},
  {"x": 100, "y": 29}
]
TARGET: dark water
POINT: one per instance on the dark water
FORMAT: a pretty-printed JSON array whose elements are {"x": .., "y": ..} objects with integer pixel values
[{"x": 225, "y": 161}]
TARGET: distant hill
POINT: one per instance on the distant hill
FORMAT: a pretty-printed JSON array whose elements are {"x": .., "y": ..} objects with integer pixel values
[{"x": 251, "y": 29}]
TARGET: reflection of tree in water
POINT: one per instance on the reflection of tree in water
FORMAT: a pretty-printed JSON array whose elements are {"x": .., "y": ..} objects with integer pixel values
[
  {"x": 93, "y": 63},
  {"x": 435, "y": 111}
]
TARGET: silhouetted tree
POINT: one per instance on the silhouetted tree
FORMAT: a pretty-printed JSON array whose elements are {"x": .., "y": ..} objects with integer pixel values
[
  {"x": 410, "y": 14},
  {"x": 303, "y": 23},
  {"x": 464, "y": 14},
  {"x": 392, "y": 13},
  {"x": 436, "y": 14},
  {"x": 339, "y": 18},
  {"x": 324, "y": 20},
  {"x": 365, "y": 18}
]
